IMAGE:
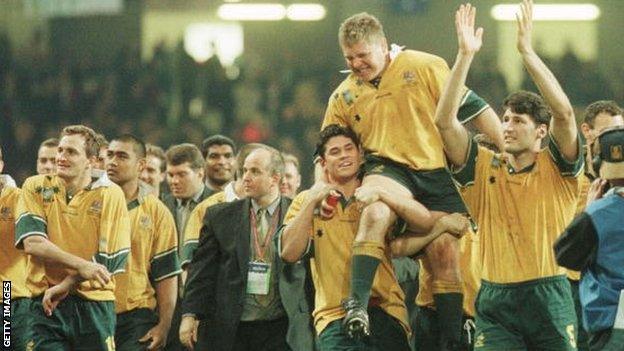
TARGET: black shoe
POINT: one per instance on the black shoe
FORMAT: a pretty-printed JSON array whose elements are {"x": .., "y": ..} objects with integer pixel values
[{"x": 355, "y": 323}]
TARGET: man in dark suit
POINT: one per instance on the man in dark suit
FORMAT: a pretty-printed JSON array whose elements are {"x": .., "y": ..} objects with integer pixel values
[
  {"x": 185, "y": 174},
  {"x": 246, "y": 298}
]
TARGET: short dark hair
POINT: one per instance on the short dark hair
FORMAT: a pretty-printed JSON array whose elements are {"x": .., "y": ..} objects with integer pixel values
[
  {"x": 159, "y": 153},
  {"x": 216, "y": 139},
  {"x": 603, "y": 106},
  {"x": 186, "y": 152},
  {"x": 92, "y": 147},
  {"x": 137, "y": 144},
  {"x": 51, "y": 142},
  {"x": 526, "y": 102},
  {"x": 334, "y": 130}
]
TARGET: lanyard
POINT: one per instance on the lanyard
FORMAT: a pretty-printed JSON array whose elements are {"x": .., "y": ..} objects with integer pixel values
[{"x": 261, "y": 250}]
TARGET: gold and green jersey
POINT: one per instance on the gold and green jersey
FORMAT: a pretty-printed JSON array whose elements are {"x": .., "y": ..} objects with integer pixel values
[
  {"x": 12, "y": 261},
  {"x": 93, "y": 225},
  {"x": 470, "y": 266},
  {"x": 153, "y": 253},
  {"x": 396, "y": 119},
  {"x": 520, "y": 213},
  {"x": 330, "y": 263},
  {"x": 194, "y": 226}
]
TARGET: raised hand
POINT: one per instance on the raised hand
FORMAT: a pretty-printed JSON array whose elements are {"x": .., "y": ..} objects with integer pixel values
[
  {"x": 524, "y": 19},
  {"x": 469, "y": 39}
]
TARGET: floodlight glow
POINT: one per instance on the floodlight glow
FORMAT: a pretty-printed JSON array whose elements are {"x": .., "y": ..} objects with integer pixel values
[
  {"x": 251, "y": 12},
  {"x": 549, "y": 12},
  {"x": 203, "y": 40},
  {"x": 305, "y": 12}
]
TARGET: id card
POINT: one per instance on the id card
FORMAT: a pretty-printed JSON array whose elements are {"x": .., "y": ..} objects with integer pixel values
[
  {"x": 258, "y": 278},
  {"x": 619, "y": 317}
]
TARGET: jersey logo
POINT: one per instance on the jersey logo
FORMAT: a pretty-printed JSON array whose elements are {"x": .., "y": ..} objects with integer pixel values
[
  {"x": 319, "y": 233},
  {"x": 145, "y": 222},
  {"x": 480, "y": 341},
  {"x": 5, "y": 213},
  {"x": 377, "y": 169},
  {"x": 358, "y": 118},
  {"x": 409, "y": 77},
  {"x": 47, "y": 192},
  {"x": 348, "y": 97},
  {"x": 96, "y": 206},
  {"x": 616, "y": 153}
]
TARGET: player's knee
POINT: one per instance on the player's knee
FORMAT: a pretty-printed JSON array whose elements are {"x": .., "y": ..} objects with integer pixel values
[
  {"x": 378, "y": 213},
  {"x": 443, "y": 253}
]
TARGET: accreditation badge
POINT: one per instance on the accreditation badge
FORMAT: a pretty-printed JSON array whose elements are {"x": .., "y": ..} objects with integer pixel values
[
  {"x": 619, "y": 318},
  {"x": 258, "y": 278}
]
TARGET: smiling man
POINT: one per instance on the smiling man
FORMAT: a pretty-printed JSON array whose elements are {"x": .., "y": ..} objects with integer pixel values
[
  {"x": 73, "y": 225},
  {"x": 521, "y": 199},
  {"x": 292, "y": 178},
  {"x": 219, "y": 155}
]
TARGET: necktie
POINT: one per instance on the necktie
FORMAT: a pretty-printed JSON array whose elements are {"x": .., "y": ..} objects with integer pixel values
[{"x": 262, "y": 224}]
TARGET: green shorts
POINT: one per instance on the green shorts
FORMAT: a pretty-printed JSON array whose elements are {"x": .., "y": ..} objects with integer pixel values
[
  {"x": 427, "y": 331},
  {"x": 434, "y": 189},
  {"x": 533, "y": 315},
  {"x": 386, "y": 334},
  {"x": 132, "y": 326},
  {"x": 76, "y": 324},
  {"x": 20, "y": 326}
]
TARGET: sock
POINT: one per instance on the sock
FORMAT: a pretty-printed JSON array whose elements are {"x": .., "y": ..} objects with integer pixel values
[
  {"x": 448, "y": 299},
  {"x": 366, "y": 258}
]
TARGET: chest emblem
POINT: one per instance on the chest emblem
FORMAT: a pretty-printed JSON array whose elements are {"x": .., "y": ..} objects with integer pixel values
[
  {"x": 47, "y": 192},
  {"x": 145, "y": 222},
  {"x": 348, "y": 97},
  {"x": 96, "y": 206},
  {"x": 409, "y": 77},
  {"x": 5, "y": 213}
]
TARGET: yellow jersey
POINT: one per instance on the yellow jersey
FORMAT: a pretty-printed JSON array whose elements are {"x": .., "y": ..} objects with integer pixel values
[
  {"x": 12, "y": 261},
  {"x": 93, "y": 225},
  {"x": 520, "y": 213},
  {"x": 332, "y": 242},
  {"x": 195, "y": 224},
  {"x": 153, "y": 253},
  {"x": 396, "y": 120}
]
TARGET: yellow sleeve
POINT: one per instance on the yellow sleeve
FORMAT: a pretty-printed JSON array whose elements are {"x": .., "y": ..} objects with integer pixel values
[
  {"x": 295, "y": 207},
  {"x": 114, "y": 244},
  {"x": 31, "y": 218},
  {"x": 192, "y": 230},
  {"x": 335, "y": 113},
  {"x": 164, "y": 260}
]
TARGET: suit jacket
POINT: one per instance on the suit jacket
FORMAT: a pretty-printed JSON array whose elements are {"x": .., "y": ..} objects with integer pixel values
[
  {"x": 170, "y": 201},
  {"x": 217, "y": 280}
]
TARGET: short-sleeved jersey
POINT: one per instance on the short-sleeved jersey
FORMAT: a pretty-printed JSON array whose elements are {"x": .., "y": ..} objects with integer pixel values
[
  {"x": 470, "y": 265},
  {"x": 331, "y": 266},
  {"x": 153, "y": 253},
  {"x": 12, "y": 261},
  {"x": 521, "y": 213},
  {"x": 396, "y": 120},
  {"x": 194, "y": 226},
  {"x": 93, "y": 225}
]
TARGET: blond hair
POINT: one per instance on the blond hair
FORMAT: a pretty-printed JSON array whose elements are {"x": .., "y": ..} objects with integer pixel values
[
  {"x": 91, "y": 143},
  {"x": 360, "y": 27}
]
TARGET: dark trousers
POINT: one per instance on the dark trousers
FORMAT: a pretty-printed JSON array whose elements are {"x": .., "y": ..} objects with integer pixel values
[
  {"x": 132, "y": 326},
  {"x": 262, "y": 336}
]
